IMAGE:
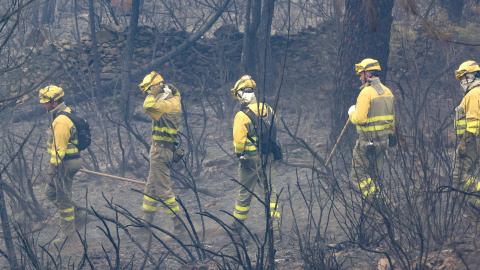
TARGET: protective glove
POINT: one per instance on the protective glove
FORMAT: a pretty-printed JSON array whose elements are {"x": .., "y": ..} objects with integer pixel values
[
  {"x": 167, "y": 89},
  {"x": 173, "y": 88},
  {"x": 468, "y": 141},
  {"x": 352, "y": 109}
]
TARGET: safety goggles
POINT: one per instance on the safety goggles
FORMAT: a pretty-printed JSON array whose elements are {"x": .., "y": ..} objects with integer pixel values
[{"x": 240, "y": 93}]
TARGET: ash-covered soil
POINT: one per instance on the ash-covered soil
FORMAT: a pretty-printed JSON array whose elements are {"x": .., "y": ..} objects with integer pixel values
[
  {"x": 212, "y": 174},
  {"x": 312, "y": 227}
]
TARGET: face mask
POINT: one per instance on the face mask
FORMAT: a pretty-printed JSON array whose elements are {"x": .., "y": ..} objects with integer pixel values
[
  {"x": 464, "y": 85},
  {"x": 246, "y": 97},
  {"x": 467, "y": 83}
]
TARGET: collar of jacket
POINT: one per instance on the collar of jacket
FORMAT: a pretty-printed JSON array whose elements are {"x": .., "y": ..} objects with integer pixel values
[
  {"x": 474, "y": 84},
  {"x": 373, "y": 80},
  {"x": 376, "y": 84},
  {"x": 60, "y": 108},
  {"x": 257, "y": 108}
]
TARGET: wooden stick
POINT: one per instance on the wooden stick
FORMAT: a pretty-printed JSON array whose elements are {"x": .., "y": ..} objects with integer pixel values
[
  {"x": 338, "y": 140},
  {"x": 113, "y": 176}
]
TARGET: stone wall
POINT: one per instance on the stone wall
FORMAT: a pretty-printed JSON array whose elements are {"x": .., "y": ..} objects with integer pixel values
[
  {"x": 209, "y": 64},
  {"x": 192, "y": 66}
]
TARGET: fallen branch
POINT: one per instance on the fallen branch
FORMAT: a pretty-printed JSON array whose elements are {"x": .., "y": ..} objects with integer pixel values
[
  {"x": 140, "y": 72},
  {"x": 201, "y": 190},
  {"x": 113, "y": 176}
]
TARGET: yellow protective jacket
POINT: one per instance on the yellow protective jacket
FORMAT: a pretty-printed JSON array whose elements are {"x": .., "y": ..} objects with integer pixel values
[
  {"x": 243, "y": 126},
  {"x": 166, "y": 115},
  {"x": 467, "y": 114},
  {"x": 374, "y": 113},
  {"x": 62, "y": 136}
]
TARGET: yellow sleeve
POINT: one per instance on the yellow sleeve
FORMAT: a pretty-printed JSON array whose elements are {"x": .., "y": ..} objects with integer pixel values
[
  {"x": 61, "y": 135},
  {"x": 157, "y": 108},
  {"x": 472, "y": 112},
  {"x": 260, "y": 107},
  {"x": 360, "y": 115},
  {"x": 240, "y": 132}
]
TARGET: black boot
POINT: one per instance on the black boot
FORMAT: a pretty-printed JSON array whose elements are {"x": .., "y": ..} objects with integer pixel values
[
  {"x": 237, "y": 227},
  {"x": 179, "y": 229}
]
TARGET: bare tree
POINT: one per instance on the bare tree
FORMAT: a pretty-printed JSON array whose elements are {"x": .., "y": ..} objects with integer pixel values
[
  {"x": 257, "y": 57},
  {"x": 367, "y": 26},
  {"x": 128, "y": 56},
  {"x": 48, "y": 12},
  {"x": 96, "y": 61}
]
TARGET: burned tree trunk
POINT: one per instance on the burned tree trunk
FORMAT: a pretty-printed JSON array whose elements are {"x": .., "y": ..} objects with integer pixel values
[
  {"x": 96, "y": 59},
  {"x": 253, "y": 14},
  {"x": 48, "y": 12},
  {"x": 366, "y": 34},
  {"x": 265, "y": 64},
  {"x": 128, "y": 56},
  {"x": 257, "y": 56},
  {"x": 127, "y": 74},
  {"x": 7, "y": 232}
]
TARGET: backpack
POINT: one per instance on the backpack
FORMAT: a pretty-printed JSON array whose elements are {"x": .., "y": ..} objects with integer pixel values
[
  {"x": 83, "y": 130},
  {"x": 267, "y": 141}
]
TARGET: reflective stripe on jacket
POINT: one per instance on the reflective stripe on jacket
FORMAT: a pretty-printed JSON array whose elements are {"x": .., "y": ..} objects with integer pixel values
[
  {"x": 467, "y": 114},
  {"x": 243, "y": 126},
  {"x": 374, "y": 114},
  {"x": 61, "y": 137},
  {"x": 166, "y": 115},
  {"x": 460, "y": 122}
]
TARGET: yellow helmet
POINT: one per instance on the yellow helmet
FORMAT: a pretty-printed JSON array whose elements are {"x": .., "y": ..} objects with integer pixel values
[
  {"x": 151, "y": 79},
  {"x": 245, "y": 81},
  {"x": 466, "y": 67},
  {"x": 50, "y": 93},
  {"x": 366, "y": 65}
]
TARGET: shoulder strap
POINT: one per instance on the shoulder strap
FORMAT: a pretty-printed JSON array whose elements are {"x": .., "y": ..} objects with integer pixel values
[
  {"x": 250, "y": 114},
  {"x": 376, "y": 85},
  {"x": 253, "y": 118},
  {"x": 67, "y": 114},
  {"x": 70, "y": 116}
]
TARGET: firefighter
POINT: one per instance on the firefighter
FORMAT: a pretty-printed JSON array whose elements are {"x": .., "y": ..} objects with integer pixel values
[
  {"x": 467, "y": 123},
  {"x": 374, "y": 116},
  {"x": 65, "y": 161},
  {"x": 250, "y": 169},
  {"x": 163, "y": 105}
]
